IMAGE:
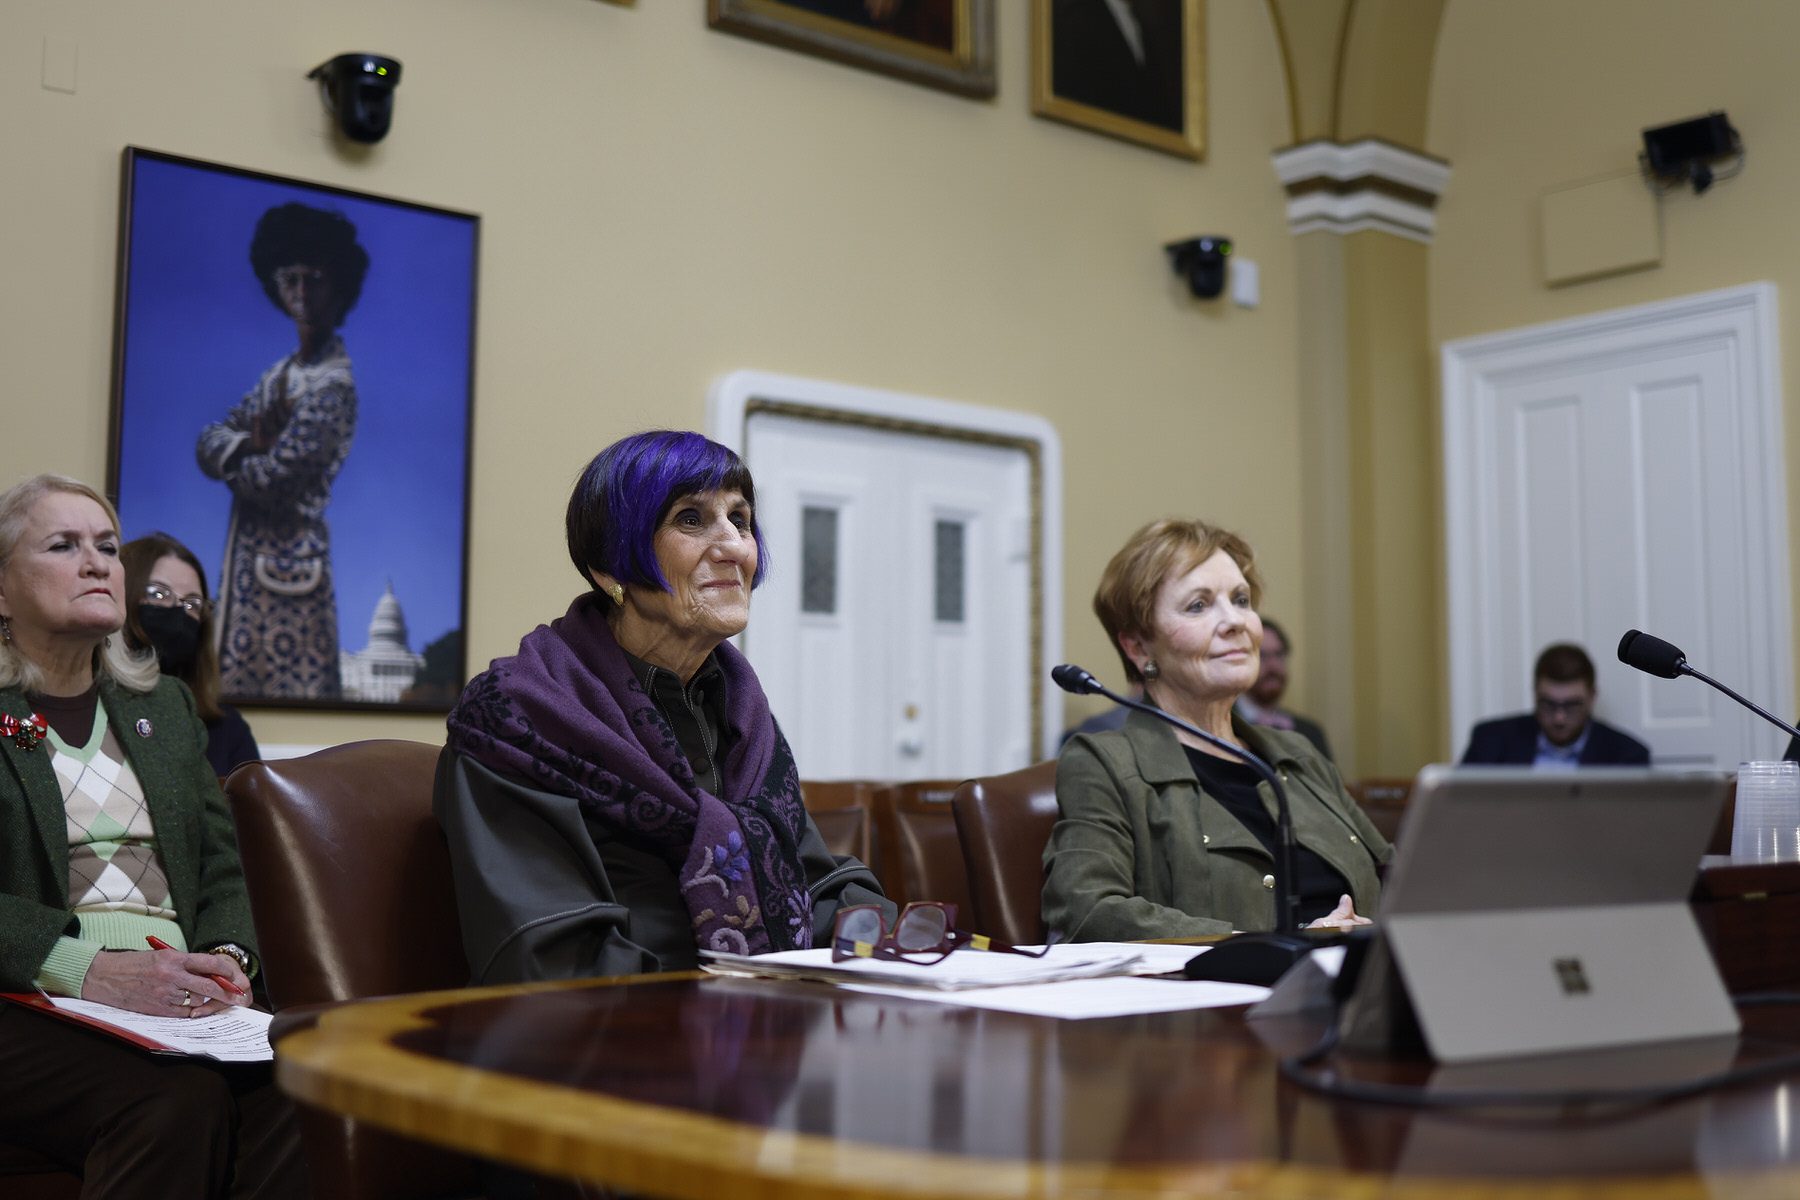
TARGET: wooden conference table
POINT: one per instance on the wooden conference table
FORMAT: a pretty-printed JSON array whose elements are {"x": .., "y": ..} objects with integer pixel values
[{"x": 698, "y": 1087}]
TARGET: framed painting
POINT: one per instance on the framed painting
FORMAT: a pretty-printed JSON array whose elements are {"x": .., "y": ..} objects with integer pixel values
[
  {"x": 946, "y": 44},
  {"x": 293, "y": 393},
  {"x": 1129, "y": 70}
]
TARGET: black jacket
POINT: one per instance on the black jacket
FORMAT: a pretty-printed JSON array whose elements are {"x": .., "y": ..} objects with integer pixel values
[
  {"x": 542, "y": 894},
  {"x": 1513, "y": 740}
]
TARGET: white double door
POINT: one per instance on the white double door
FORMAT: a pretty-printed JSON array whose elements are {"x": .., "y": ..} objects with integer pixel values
[
  {"x": 1624, "y": 471},
  {"x": 893, "y": 630}
]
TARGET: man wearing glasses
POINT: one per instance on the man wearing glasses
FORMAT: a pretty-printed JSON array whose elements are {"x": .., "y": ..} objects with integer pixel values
[{"x": 1562, "y": 732}]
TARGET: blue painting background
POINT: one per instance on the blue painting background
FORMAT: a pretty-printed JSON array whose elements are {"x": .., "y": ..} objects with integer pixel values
[{"x": 200, "y": 331}]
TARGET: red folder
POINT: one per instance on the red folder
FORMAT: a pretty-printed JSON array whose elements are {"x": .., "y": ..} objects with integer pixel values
[{"x": 41, "y": 1003}]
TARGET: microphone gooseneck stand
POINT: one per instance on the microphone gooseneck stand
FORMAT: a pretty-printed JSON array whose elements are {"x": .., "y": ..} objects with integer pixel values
[
  {"x": 1653, "y": 656},
  {"x": 1246, "y": 957}
]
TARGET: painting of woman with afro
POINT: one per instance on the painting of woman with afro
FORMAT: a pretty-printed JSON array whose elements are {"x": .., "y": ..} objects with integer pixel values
[
  {"x": 340, "y": 573},
  {"x": 278, "y": 451}
]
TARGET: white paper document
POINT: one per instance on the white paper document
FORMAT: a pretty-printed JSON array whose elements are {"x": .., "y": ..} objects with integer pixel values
[
  {"x": 1157, "y": 958},
  {"x": 1072, "y": 982},
  {"x": 234, "y": 1035},
  {"x": 964, "y": 969}
]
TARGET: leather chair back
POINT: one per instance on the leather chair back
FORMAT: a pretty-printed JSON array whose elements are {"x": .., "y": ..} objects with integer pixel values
[
  {"x": 843, "y": 811},
  {"x": 1383, "y": 801},
  {"x": 349, "y": 882},
  {"x": 348, "y": 873},
  {"x": 919, "y": 855},
  {"x": 1005, "y": 823}
]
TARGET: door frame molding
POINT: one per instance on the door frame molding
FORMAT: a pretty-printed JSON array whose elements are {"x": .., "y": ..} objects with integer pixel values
[
  {"x": 1745, "y": 318},
  {"x": 738, "y": 395}
]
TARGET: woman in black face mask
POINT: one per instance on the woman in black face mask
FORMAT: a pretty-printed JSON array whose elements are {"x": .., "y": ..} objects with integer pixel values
[{"x": 167, "y": 608}]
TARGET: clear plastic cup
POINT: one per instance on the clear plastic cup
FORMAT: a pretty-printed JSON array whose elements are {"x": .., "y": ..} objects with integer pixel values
[{"x": 1765, "y": 824}]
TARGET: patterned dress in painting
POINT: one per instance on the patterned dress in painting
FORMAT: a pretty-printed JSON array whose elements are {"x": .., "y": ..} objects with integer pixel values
[{"x": 277, "y": 618}]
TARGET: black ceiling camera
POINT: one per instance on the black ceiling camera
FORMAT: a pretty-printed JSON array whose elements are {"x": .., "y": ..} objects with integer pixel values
[
  {"x": 1201, "y": 261},
  {"x": 1686, "y": 151},
  {"x": 358, "y": 90}
]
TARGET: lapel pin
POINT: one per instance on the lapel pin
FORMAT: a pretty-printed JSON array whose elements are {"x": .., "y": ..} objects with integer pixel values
[{"x": 144, "y": 728}]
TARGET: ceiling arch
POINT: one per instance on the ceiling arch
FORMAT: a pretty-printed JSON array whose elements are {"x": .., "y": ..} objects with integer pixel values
[{"x": 1357, "y": 68}]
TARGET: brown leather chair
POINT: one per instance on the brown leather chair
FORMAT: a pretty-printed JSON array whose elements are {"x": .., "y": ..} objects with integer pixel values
[
  {"x": 918, "y": 853},
  {"x": 1005, "y": 823},
  {"x": 349, "y": 882},
  {"x": 842, "y": 809},
  {"x": 1383, "y": 801}
]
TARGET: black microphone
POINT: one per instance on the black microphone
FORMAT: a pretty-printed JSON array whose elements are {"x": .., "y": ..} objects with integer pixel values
[
  {"x": 1654, "y": 656},
  {"x": 1246, "y": 957}
]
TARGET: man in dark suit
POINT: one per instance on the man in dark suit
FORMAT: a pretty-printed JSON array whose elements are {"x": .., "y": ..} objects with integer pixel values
[{"x": 1562, "y": 732}]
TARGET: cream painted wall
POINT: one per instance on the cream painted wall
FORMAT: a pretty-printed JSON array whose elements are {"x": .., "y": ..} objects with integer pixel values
[
  {"x": 1533, "y": 95},
  {"x": 663, "y": 203},
  {"x": 1599, "y": 72}
]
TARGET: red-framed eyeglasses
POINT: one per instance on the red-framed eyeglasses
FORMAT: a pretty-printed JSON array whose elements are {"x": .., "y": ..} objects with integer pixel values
[{"x": 924, "y": 934}]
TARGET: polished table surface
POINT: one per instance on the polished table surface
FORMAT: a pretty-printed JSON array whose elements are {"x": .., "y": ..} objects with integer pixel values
[{"x": 699, "y": 1087}]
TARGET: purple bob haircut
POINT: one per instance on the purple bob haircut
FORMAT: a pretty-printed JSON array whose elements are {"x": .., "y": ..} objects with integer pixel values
[{"x": 628, "y": 489}]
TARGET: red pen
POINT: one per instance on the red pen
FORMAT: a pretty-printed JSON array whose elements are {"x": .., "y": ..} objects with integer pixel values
[{"x": 157, "y": 943}]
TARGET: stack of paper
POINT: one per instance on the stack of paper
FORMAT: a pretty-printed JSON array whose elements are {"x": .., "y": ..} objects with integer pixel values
[
  {"x": 1093, "y": 979},
  {"x": 232, "y": 1035},
  {"x": 963, "y": 969}
]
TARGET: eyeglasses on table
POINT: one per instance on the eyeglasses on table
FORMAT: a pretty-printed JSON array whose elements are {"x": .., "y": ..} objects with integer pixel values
[{"x": 924, "y": 934}]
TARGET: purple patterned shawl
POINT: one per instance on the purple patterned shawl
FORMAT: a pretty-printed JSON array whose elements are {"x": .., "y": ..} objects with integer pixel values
[{"x": 569, "y": 715}]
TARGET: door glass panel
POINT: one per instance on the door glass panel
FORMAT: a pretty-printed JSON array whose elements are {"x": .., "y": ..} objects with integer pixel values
[
  {"x": 818, "y": 559},
  {"x": 949, "y": 576}
]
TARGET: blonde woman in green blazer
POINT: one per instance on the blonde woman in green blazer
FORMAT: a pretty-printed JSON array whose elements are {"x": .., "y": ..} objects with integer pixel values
[
  {"x": 1161, "y": 835},
  {"x": 113, "y": 831}
]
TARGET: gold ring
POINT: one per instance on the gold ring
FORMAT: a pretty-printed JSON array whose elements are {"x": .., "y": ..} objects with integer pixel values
[{"x": 187, "y": 998}]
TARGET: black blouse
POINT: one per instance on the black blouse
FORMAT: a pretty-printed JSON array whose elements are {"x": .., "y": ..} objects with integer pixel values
[
  {"x": 695, "y": 712},
  {"x": 1317, "y": 884}
]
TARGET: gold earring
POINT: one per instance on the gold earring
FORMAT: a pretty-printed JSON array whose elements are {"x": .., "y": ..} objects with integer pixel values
[{"x": 616, "y": 590}]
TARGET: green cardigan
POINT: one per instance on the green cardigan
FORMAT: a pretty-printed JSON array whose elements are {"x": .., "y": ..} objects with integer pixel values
[
  {"x": 194, "y": 834},
  {"x": 1139, "y": 851}
]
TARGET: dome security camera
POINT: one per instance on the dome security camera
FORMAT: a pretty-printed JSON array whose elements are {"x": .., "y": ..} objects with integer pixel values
[
  {"x": 1201, "y": 261},
  {"x": 358, "y": 89}
]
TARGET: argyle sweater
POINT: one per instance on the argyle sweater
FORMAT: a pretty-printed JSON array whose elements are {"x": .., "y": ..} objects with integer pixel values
[
  {"x": 117, "y": 888},
  {"x": 163, "y": 741}
]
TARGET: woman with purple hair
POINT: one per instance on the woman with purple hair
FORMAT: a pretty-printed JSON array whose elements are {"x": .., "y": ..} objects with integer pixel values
[{"x": 617, "y": 795}]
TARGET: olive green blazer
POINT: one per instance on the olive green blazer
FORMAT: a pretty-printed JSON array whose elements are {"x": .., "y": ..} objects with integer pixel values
[
  {"x": 1139, "y": 851},
  {"x": 165, "y": 742}
]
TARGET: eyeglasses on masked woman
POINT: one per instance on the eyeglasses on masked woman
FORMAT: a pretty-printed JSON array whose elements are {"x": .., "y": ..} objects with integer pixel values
[{"x": 194, "y": 606}]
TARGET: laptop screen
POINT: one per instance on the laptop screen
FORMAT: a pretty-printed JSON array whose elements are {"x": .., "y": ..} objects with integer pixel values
[{"x": 1478, "y": 839}]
